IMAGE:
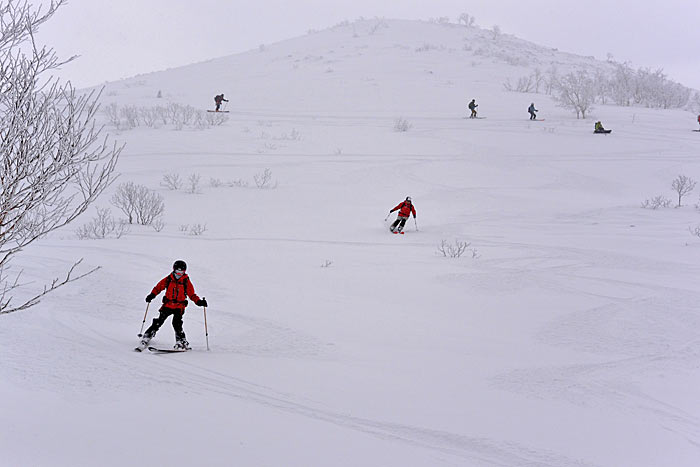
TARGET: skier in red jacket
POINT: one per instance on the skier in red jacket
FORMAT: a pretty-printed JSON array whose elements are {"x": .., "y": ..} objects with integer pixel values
[
  {"x": 405, "y": 209},
  {"x": 178, "y": 287}
]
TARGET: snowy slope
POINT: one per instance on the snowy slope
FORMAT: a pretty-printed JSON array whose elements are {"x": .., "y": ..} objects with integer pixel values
[{"x": 571, "y": 340}]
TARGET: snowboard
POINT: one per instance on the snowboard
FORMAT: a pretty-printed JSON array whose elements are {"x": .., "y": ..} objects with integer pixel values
[
  {"x": 474, "y": 118},
  {"x": 696, "y": 130},
  {"x": 219, "y": 112},
  {"x": 537, "y": 119},
  {"x": 604, "y": 132}
]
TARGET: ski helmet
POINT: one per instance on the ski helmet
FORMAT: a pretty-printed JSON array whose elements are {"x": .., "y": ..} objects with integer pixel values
[
  {"x": 408, "y": 198},
  {"x": 179, "y": 264}
]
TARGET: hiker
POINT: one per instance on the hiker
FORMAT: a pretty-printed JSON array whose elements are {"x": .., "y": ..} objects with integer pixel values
[
  {"x": 178, "y": 287},
  {"x": 472, "y": 106},
  {"x": 405, "y": 209},
  {"x": 599, "y": 128},
  {"x": 218, "y": 100},
  {"x": 532, "y": 111}
]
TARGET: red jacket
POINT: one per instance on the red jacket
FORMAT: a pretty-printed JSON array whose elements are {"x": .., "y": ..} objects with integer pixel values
[
  {"x": 176, "y": 291},
  {"x": 406, "y": 209}
]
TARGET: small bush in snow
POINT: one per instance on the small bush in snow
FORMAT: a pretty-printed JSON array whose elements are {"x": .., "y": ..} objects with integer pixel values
[
  {"x": 240, "y": 183},
  {"x": 327, "y": 264},
  {"x": 193, "y": 183},
  {"x": 171, "y": 181},
  {"x": 102, "y": 226},
  {"x": 456, "y": 249},
  {"x": 158, "y": 225},
  {"x": 682, "y": 185},
  {"x": 657, "y": 202},
  {"x": 215, "y": 182},
  {"x": 138, "y": 203},
  {"x": 402, "y": 125},
  {"x": 197, "y": 229},
  {"x": 263, "y": 179}
]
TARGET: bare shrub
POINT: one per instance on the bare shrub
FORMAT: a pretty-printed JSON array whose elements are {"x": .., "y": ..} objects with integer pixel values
[
  {"x": 215, "y": 182},
  {"x": 657, "y": 202},
  {"x": 184, "y": 227},
  {"x": 158, "y": 224},
  {"x": 683, "y": 185},
  {"x": 327, "y": 264},
  {"x": 240, "y": 183},
  {"x": 197, "y": 229},
  {"x": 130, "y": 116},
  {"x": 138, "y": 203},
  {"x": 263, "y": 180},
  {"x": 54, "y": 163},
  {"x": 102, "y": 226},
  {"x": 402, "y": 125},
  {"x": 216, "y": 118},
  {"x": 193, "y": 183},
  {"x": 694, "y": 231},
  {"x": 112, "y": 113},
  {"x": 456, "y": 249},
  {"x": 171, "y": 181}
]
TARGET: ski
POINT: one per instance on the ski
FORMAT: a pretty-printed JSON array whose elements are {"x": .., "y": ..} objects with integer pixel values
[
  {"x": 157, "y": 350},
  {"x": 219, "y": 112}
]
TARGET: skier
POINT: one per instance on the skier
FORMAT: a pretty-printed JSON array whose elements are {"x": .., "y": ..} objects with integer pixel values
[
  {"x": 218, "y": 100},
  {"x": 599, "y": 128},
  {"x": 532, "y": 111},
  {"x": 178, "y": 287},
  {"x": 472, "y": 106},
  {"x": 698, "y": 119},
  {"x": 405, "y": 209}
]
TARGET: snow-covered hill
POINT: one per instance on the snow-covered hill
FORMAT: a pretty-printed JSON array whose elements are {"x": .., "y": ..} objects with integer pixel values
[{"x": 566, "y": 335}]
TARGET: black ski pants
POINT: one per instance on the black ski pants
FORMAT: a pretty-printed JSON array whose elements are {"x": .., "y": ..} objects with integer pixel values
[
  {"x": 400, "y": 222},
  {"x": 533, "y": 116},
  {"x": 163, "y": 315}
]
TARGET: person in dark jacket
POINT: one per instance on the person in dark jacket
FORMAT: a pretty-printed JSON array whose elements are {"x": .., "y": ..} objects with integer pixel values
[
  {"x": 178, "y": 288},
  {"x": 472, "y": 106},
  {"x": 218, "y": 100},
  {"x": 405, "y": 209},
  {"x": 532, "y": 111}
]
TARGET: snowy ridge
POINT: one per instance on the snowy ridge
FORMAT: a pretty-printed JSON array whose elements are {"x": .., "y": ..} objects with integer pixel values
[{"x": 570, "y": 338}]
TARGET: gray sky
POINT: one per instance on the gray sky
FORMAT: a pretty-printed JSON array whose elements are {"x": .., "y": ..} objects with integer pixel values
[{"x": 121, "y": 38}]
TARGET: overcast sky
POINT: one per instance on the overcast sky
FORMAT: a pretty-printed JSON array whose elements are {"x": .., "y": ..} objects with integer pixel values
[{"x": 121, "y": 38}]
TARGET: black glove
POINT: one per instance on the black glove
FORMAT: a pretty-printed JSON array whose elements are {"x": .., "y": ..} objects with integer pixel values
[
  {"x": 150, "y": 297},
  {"x": 202, "y": 302}
]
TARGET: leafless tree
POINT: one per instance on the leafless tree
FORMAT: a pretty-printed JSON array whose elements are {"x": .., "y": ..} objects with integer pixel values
[
  {"x": 193, "y": 183},
  {"x": 576, "y": 91},
  {"x": 53, "y": 160},
  {"x": 264, "y": 179},
  {"x": 102, "y": 226},
  {"x": 171, "y": 181},
  {"x": 657, "y": 202},
  {"x": 456, "y": 249},
  {"x": 466, "y": 19},
  {"x": 682, "y": 185},
  {"x": 138, "y": 203}
]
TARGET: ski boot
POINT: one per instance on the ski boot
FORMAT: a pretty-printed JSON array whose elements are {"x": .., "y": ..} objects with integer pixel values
[
  {"x": 143, "y": 344},
  {"x": 182, "y": 344}
]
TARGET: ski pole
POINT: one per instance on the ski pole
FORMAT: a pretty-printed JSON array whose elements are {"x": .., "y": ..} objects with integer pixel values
[
  {"x": 140, "y": 334},
  {"x": 387, "y": 217},
  {"x": 206, "y": 330},
  {"x": 416, "y": 222}
]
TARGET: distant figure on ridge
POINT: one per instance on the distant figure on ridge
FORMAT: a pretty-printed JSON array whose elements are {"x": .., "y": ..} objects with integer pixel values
[
  {"x": 472, "y": 106},
  {"x": 698, "y": 120},
  {"x": 218, "y": 100},
  {"x": 599, "y": 128},
  {"x": 405, "y": 209},
  {"x": 532, "y": 111}
]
